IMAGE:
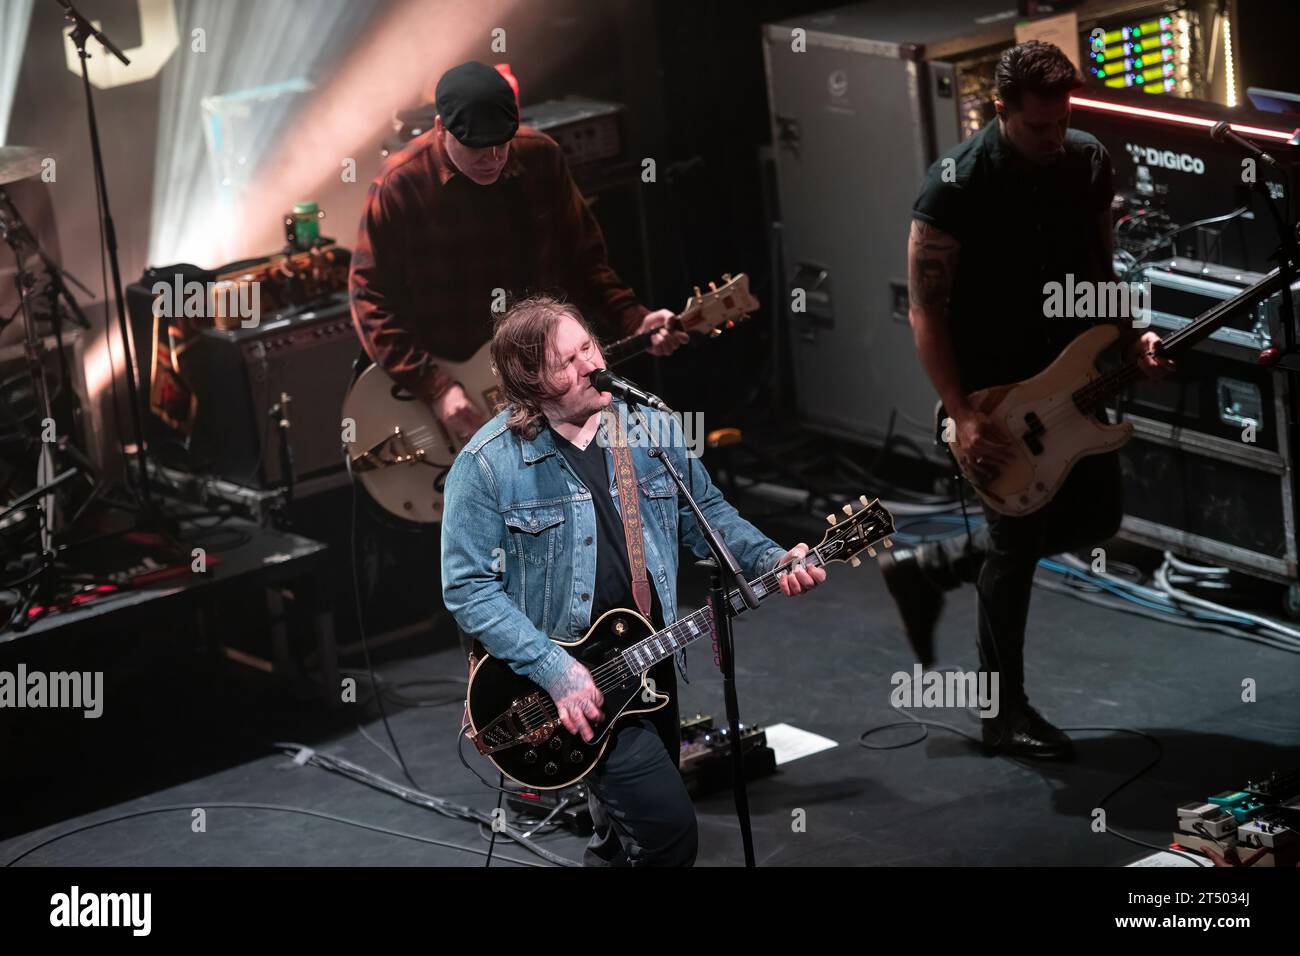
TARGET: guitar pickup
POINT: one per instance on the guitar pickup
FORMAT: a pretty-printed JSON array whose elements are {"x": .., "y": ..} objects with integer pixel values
[{"x": 1034, "y": 431}]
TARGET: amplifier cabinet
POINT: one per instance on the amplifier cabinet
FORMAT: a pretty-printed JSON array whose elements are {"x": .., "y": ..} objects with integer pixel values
[
  {"x": 239, "y": 376},
  {"x": 1208, "y": 471}
]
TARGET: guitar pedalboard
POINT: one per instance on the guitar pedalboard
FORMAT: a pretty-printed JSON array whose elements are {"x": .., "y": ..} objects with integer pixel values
[
  {"x": 1262, "y": 814},
  {"x": 565, "y": 808}
]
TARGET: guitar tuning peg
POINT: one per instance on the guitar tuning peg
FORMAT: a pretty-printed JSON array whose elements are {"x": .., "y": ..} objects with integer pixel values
[
  {"x": 848, "y": 510},
  {"x": 715, "y": 333},
  {"x": 726, "y": 277},
  {"x": 698, "y": 293},
  {"x": 863, "y": 499},
  {"x": 889, "y": 542},
  {"x": 831, "y": 519},
  {"x": 713, "y": 287},
  {"x": 855, "y": 561},
  {"x": 871, "y": 551},
  {"x": 731, "y": 324}
]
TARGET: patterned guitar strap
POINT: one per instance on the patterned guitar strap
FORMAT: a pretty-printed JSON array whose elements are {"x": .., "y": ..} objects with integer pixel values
[{"x": 630, "y": 503}]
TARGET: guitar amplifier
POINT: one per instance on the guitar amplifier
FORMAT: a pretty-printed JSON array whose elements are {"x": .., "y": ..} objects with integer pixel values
[
  {"x": 1207, "y": 473},
  {"x": 239, "y": 376}
]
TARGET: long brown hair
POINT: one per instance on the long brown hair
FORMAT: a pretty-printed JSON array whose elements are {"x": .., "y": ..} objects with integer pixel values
[{"x": 521, "y": 347}]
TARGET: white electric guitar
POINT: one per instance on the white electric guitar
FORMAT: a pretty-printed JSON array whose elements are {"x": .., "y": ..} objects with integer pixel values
[
  {"x": 402, "y": 453},
  {"x": 1051, "y": 417}
]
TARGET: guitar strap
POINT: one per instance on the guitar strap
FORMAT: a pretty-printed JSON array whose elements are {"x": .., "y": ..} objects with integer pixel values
[{"x": 630, "y": 502}]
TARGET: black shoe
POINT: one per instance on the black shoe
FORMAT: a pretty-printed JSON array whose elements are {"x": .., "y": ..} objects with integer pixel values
[
  {"x": 919, "y": 599},
  {"x": 1025, "y": 733}
]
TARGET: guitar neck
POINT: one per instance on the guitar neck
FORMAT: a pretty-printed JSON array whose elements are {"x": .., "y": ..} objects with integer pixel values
[
  {"x": 663, "y": 644},
  {"x": 621, "y": 350},
  {"x": 1102, "y": 389}
]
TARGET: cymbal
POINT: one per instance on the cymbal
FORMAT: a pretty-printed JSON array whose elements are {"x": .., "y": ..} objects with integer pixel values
[{"x": 19, "y": 162}]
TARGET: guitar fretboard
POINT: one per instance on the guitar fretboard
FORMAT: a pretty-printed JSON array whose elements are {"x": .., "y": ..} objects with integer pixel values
[
  {"x": 621, "y": 350},
  {"x": 1101, "y": 389},
  {"x": 662, "y": 644}
]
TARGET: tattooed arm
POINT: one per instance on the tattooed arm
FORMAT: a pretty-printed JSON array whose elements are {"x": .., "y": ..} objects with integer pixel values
[
  {"x": 931, "y": 265},
  {"x": 577, "y": 700}
]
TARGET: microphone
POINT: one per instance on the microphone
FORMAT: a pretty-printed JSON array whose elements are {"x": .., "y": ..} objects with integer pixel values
[
  {"x": 1222, "y": 133},
  {"x": 604, "y": 380}
]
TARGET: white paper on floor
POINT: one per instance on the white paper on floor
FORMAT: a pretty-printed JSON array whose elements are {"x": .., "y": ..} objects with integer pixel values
[
  {"x": 791, "y": 743},
  {"x": 1165, "y": 858}
]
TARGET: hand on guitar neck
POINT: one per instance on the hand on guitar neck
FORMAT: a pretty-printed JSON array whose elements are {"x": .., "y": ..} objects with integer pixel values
[
  {"x": 666, "y": 342},
  {"x": 1145, "y": 350}
]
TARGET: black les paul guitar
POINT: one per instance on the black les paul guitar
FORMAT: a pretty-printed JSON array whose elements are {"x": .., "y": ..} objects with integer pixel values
[{"x": 515, "y": 724}]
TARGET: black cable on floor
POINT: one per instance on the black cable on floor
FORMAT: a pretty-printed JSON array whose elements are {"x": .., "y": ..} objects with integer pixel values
[
  {"x": 361, "y": 627},
  {"x": 190, "y": 807},
  {"x": 925, "y": 733},
  {"x": 420, "y": 798},
  {"x": 501, "y": 783}
]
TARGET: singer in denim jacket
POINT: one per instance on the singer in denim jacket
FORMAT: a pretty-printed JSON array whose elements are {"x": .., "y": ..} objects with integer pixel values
[
  {"x": 529, "y": 501},
  {"x": 518, "y": 556}
]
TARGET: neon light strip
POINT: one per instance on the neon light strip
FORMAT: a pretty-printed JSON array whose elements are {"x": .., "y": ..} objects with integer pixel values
[
  {"x": 1277, "y": 134},
  {"x": 1228, "y": 71}
]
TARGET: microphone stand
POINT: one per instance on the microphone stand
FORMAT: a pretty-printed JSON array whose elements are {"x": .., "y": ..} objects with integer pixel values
[
  {"x": 82, "y": 30},
  {"x": 725, "y": 573},
  {"x": 1287, "y": 255}
]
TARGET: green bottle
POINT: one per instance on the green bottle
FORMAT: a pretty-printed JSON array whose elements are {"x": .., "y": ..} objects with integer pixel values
[{"x": 303, "y": 225}]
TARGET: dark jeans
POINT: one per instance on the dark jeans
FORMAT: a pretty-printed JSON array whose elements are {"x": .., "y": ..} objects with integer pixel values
[
  {"x": 642, "y": 812},
  {"x": 1087, "y": 509}
]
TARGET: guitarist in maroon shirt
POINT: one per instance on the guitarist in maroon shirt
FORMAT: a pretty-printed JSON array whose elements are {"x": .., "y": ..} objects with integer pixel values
[{"x": 474, "y": 213}]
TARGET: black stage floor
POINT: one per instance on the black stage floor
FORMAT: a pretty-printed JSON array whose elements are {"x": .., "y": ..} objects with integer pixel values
[{"x": 178, "y": 732}]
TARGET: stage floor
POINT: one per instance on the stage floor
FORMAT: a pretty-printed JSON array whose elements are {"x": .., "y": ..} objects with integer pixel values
[{"x": 177, "y": 732}]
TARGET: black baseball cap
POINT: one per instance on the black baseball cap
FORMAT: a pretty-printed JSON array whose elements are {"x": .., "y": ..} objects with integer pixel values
[{"x": 477, "y": 105}]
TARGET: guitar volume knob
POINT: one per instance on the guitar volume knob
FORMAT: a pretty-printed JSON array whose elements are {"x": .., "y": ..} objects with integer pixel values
[
  {"x": 530, "y": 756},
  {"x": 575, "y": 756},
  {"x": 556, "y": 743},
  {"x": 551, "y": 768}
]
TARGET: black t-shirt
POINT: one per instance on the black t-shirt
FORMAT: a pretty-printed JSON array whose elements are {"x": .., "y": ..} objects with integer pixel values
[
  {"x": 613, "y": 585},
  {"x": 1021, "y": 226}
]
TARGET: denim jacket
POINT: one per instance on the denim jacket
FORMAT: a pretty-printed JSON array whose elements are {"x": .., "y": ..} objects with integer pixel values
[{"x": 519, "y": 538}]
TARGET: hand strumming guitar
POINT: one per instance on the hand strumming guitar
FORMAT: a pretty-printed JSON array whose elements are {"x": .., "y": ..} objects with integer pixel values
[
  {"x": 984, "y": 444},
  {"x": 457, "y": 413},
  {"x": 578, "y": 700}
]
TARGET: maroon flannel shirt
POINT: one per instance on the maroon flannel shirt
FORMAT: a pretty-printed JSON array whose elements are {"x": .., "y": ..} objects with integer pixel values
[{"x": 434, "y": 247}]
